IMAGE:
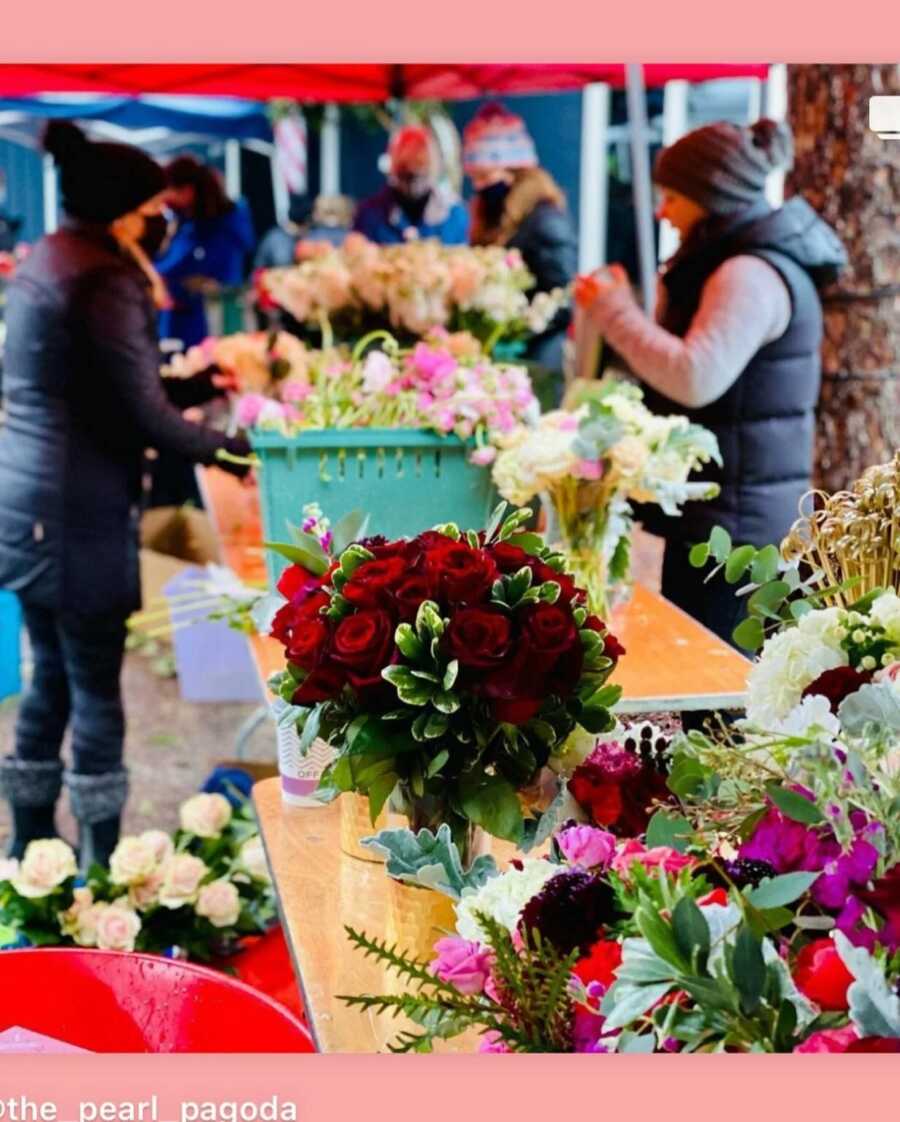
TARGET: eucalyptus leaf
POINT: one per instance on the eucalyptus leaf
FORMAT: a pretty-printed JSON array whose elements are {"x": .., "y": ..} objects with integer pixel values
[
  {"x": 775, "y": 892},
  {"x": 875, "y": 704},
  {"x": 794, "y": 806}
]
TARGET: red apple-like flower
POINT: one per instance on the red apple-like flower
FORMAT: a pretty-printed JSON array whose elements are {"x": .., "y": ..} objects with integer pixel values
[{"x": 820, "y": 975}]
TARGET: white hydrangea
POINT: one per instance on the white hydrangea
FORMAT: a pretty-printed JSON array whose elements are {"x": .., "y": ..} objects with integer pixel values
[
  {"x": 792, "y": 660},
  {"x": 811, "y": 718},
  {"x": 503, "y": 898},
  {"x": 886, "y": 612}
]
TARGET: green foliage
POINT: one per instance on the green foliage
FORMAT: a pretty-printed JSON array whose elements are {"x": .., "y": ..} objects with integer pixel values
[{"x": 430, "y": 860}]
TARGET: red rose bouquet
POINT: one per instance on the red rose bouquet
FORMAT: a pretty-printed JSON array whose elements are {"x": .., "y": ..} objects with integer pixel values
[{"x": 445, "y": 670}]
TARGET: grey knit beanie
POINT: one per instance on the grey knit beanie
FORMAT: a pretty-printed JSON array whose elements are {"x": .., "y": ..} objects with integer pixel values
[{"x": 723, "y": 167}]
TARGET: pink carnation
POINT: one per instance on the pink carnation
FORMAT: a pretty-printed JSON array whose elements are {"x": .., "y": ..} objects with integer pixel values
[{"x": 659, "y": 857}]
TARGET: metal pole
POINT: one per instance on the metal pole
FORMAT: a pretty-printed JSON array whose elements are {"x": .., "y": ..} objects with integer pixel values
[
  {"x": 641, "y": 183},
  {"x": 776, "y": 107},
  {"x": 233, "y": 169},
  {"x": 593, "y": 209},
  {"x": 674, "y": 125},
  {"x": 51, "y": 203},
  {"x": 330, "y": 176}
]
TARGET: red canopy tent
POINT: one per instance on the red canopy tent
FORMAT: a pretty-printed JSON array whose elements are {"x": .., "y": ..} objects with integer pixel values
[{"x": 341, "y": 82}]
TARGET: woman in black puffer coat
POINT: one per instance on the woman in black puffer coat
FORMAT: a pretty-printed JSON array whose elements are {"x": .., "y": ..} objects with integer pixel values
[
  {"x": 83, "y": 399},
  {"x": 519, "y": 205}
]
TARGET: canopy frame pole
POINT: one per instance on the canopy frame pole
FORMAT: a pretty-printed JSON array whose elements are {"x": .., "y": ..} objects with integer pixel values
[
  {"x": 233, "y": 169},
  {"x": 51, "y": 196},
  {"x": 641, "y": 182},
  {"x": 330, "y": 170},
  {"x": 675, "y": 120},
  {"x": 593, "y": 206},
  {"x": 776, "y": 106}
]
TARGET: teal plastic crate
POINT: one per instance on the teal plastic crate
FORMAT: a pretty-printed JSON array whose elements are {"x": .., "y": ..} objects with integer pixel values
[{"x": 406, "y": 480}]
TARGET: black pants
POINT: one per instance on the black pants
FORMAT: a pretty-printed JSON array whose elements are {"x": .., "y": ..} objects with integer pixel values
[{"x": 77, "y": 666}]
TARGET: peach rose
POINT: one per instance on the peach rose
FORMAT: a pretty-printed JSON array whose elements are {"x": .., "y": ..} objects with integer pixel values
[
  {"x": 205, "y": 816},
  {"x": 85, "y": 925},
  {"x": 117, "y": 928},
  {"x": 161, "y": 844},
  {"x": 132, "y": 861},
  {"x": 220, "y": 903},
  {"x": 182, "y": 875},
  {"x": 47, "y": 863},
  {"x": 70, "y": 919},
  {"x": 146, "y": 894}
]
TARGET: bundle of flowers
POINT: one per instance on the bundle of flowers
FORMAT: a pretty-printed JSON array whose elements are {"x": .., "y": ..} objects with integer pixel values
[
  {"x": 411, "y": 288},
  {"x": 446, "y": 384},
  {"x": 446, "y": 670},
  {"x": 758, "y": 910},
  {"x": 194, "y": 894},
  {"x": 593, "y": 461},
  {"x": 253, "y": 362}
]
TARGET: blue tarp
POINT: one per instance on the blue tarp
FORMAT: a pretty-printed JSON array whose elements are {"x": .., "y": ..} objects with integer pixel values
[{"x": 231, "y": 117}]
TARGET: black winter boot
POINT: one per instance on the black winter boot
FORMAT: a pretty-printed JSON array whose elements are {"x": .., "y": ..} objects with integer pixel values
[
  {"x": 31, "y": 787},
  {"x": 97, "y": 802}
]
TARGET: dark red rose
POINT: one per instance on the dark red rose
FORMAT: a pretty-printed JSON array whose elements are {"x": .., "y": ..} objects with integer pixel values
[
  {"x": 549, "y": 631},
  {"x": 874, "y": 1044},
  {"x": 837, "y": 684},
  {"x": 373, "y": 583},
  {"x": 461, "y": 575},
  {"x": 412, "y": 591},
  {"x": 479, "y": 637},
  {"x": 297, "y": 613},
  {"x": 517, "y": 710},
  {"x": 618, "y": 789},
  {"x": 601, "y": 964},
  {"x": 820, "y": 974},
  {"x": 511, "y": 558},
  {"x": 308, "y": 643},
  {"x": 612, "y": 648},
  {"x": 363, "y": 641},
  {"x": 295, "y": 579},
  {"x": 884, "y": 897},
  {"x": 380, "y": 547},
  {"x": 323, "y": 684}
]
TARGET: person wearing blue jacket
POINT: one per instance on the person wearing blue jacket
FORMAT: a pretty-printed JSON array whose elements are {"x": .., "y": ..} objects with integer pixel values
[{"x": 413, "y": 203}]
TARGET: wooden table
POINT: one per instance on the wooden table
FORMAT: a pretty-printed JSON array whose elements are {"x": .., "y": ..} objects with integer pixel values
[
  {"x": 319, "y": 889},
  {"x": 672, "y": 663}
]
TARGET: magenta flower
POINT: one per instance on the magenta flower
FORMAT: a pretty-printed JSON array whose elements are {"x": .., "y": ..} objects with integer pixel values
[
  {"x": 493, "y": 1042},
  {"x": 432, "y": 363},
  {"x": 828, "y": 1040},
  {"x": 463, "y": 965},
  {"x": 587, "y": 846}
]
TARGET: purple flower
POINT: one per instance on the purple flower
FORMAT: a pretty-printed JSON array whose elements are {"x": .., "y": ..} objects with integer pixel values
[
  {"x": 587, "y": 846},
  {"x": 464, "y": 965}
]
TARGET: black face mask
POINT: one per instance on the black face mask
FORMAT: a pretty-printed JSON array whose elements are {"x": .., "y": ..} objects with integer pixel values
[
  {"x": 412, "y": 202},
  {"x": 493, "y": 200},
  {"x": 155, "y": 230}
]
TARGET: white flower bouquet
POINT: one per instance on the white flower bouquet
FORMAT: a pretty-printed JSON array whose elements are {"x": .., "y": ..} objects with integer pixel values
[{"x": 592, "y": 461}]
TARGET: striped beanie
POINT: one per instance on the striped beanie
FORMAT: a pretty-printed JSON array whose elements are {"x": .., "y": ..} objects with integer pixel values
[{"x": 496, "y": 138}]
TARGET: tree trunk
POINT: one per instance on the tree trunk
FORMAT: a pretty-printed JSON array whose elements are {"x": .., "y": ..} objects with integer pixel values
[{"x": 852, "y": 178}]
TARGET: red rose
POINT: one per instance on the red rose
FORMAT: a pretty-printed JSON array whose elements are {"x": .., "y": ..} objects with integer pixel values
[
  {"x": 293, "y": 580},
  {"x": 362, "y": 642},
  {"x": 462, "y": 575},
  {"x": 551, "y": 645},
  {"x": 820, "y": 975},
  {"x": 612, "y": 648},
  {"x": 603, "y": 801},
  {"x": 837, "y": 684},
  {"x": 308, "y": 643},
  {"x": 516, "y": 710},
  {"x": 479, "y": 637},
  {"x": 373, "y": 583},
  {"x": 601, "y": 964},
  {"x": 618, "y": 789},
  {"x": 412, "y": 591},
  {"x": 296, "y": 614},
  {"x": 323, "y": 684}
]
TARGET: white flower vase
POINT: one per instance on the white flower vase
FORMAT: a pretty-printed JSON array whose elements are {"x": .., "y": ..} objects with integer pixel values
[{"x": 299, "y": 773}]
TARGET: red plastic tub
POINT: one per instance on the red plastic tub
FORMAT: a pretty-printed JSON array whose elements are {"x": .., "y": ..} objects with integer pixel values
[{"x": 105, "y": 1001}]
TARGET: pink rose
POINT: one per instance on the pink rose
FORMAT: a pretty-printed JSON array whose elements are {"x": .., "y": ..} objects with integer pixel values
[
  {"x": 464, "y": 965},
  {"x": 248, "y": 409},
  {"x": 828, "y": 1040},
  {"x": 587, "y": 846},
  {"x": 660, "y": 857}
]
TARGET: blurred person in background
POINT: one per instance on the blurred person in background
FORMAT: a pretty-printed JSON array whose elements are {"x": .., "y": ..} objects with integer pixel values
[
  {"x": 208, "y": 251},
  {"x": 83, "y": 398},
  {"x": 305, "y": 222},
  {"x": 414, "y": 202},
  {"x": 735, "y": 345},
  {"x": 518, "y": 204},
  {"x": 10, "y": 224}
]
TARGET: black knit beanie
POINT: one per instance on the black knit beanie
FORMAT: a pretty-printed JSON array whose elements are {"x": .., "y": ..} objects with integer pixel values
[
  {"x": 723, "y": 167},
  {"x": 100, "y": 181}
]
